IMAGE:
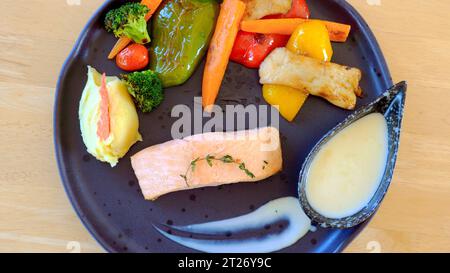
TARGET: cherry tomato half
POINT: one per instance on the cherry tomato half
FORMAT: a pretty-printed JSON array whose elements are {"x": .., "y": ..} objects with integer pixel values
[{"x": 132, "y": 58}]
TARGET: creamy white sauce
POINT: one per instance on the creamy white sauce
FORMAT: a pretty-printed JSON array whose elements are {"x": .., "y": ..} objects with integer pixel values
[
  {"x": 346, "y": 172},
  {"x": 287, "y": 209}
]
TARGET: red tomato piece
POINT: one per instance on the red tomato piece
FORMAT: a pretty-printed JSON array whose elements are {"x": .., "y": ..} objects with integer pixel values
[{"x": 134, "y": 57}]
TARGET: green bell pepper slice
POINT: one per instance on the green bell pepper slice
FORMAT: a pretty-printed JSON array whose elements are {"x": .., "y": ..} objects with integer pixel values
[{"x": 181, "y": 32}]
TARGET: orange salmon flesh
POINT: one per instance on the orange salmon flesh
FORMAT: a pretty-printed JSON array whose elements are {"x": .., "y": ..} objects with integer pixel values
[{"x": 160, "y": 168}]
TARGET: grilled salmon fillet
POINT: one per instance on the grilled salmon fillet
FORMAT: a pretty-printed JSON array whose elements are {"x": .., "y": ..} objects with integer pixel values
[
  {"x": 336, "y": 83},
  {"x": 160, "y": 168}
]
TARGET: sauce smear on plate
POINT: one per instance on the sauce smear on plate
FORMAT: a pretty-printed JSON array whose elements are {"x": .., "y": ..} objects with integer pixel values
[{"x": 286, "y": 208}]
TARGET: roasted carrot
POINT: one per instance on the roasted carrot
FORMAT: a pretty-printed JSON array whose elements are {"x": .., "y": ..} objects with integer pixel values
[
  {"x": 152, "y": 5},
  {"x": 338, "y": 32},
  {"x": 124, "y": 41},
  {"x": 119, "y": 46},
  {"x": 227, "y": 27}
]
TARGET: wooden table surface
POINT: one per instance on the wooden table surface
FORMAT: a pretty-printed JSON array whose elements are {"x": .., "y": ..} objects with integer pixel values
[{"x": 37, "y": 35}]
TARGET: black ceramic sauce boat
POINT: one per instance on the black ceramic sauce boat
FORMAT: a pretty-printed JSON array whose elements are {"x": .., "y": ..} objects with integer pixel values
[{"x": 391, "y": 104}]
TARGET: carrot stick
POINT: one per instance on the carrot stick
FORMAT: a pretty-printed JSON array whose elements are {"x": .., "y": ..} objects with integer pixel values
[
  {"x": 152, "y": 5},
  {"x": 338, "y": 32},
  {"x": 219, "y": 51},
  {"x": 124, "y": 41},
  {"x": 119, "y": 46}
]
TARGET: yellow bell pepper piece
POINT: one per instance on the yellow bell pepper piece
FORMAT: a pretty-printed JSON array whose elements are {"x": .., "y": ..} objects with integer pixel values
[
  {"x": 288, "y": 100},
  {"x": 311, "y": 39}
]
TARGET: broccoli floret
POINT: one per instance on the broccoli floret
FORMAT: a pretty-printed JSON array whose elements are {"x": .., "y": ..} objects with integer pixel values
[
  {"x": 146, "y": 88},
  {"x": 129, "y": 20}
]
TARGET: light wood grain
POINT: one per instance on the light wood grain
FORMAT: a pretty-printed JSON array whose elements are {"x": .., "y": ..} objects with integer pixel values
[{"x": 37, "y": 35}]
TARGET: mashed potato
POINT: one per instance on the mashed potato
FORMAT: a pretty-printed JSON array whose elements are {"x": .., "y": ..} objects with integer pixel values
[{"x": 123, "y": 118}]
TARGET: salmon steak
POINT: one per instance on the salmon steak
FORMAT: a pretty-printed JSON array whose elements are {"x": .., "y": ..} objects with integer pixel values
[{"x": 208, "y": 159}]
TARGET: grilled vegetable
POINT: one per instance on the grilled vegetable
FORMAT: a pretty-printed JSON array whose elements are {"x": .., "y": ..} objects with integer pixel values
[
  {"x": 299, "y": 9},
  {"x": 219, "y": 51},
  {"x": 146, "y": 89},
  {"x": 288, "y": 100},
  {"x": 250, "y": 49},
  {"x": 311, "y": 39},
  {"x": 133, "y": 58},
  {"x": 129, "y": 21},
  {"x": 181, "y": 31},
  {"x": 124, "y": 41},
  {"x": 286, "y": 26}
]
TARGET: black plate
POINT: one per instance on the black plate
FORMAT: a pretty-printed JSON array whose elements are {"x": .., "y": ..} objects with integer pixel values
[{"x": 108, "y": 200}]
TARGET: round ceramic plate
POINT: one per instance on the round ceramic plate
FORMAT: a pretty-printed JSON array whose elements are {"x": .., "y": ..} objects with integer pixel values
[{"x": 108, "y": 200}]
